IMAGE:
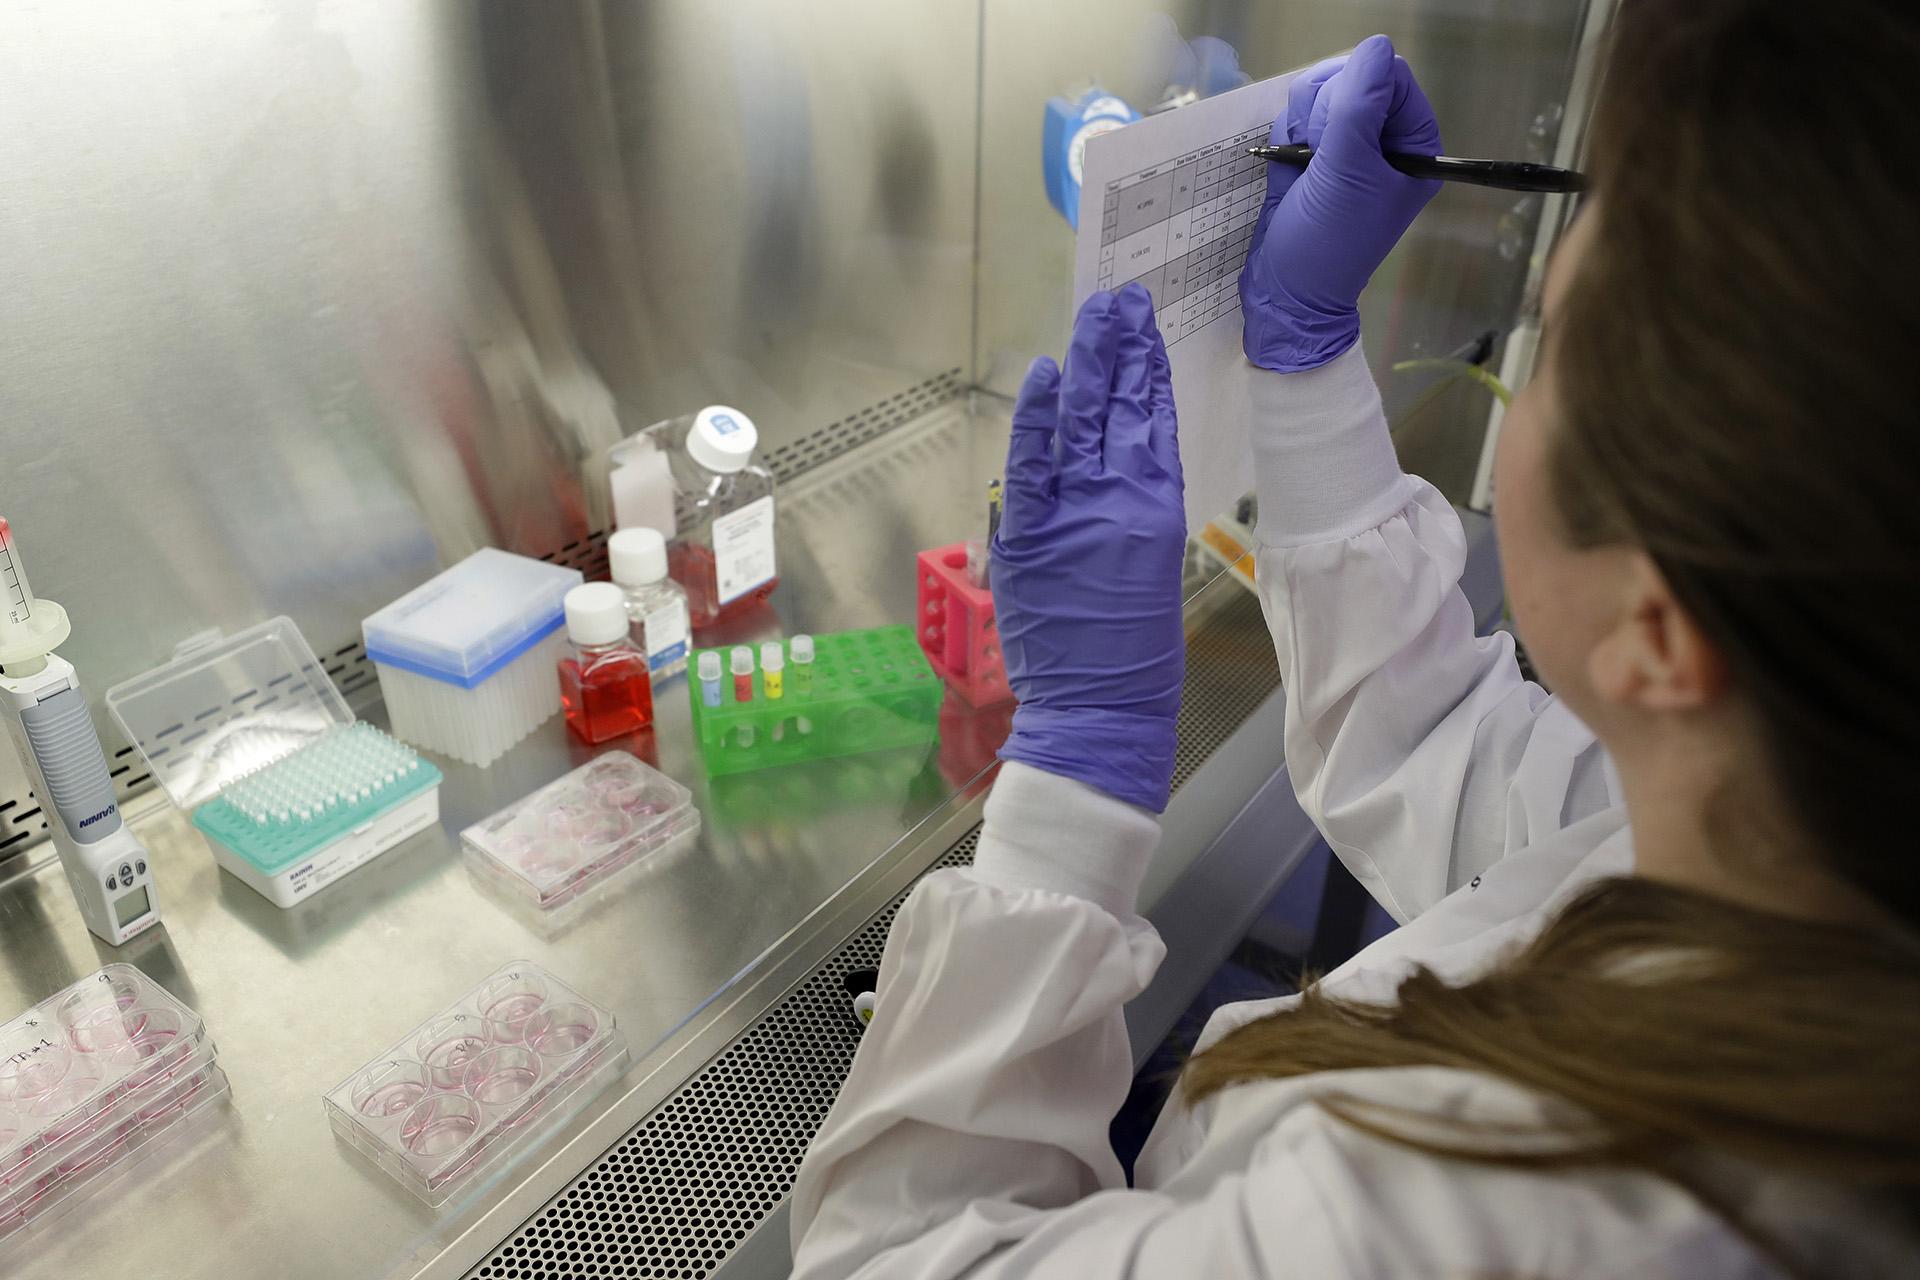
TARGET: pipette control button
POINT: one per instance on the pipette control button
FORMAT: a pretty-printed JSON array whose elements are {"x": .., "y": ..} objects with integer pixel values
[
  {"x": 126, "y": 872},
  {"x": 141, "y": 866},
  {"x": 112, "y": 883}
]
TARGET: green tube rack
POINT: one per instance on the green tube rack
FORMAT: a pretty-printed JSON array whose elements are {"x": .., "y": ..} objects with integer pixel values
[{"x": 866, "y": 691}]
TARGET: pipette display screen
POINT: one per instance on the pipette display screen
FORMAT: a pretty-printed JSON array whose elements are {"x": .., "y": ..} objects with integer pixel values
[{"x": 131, "y": 907}]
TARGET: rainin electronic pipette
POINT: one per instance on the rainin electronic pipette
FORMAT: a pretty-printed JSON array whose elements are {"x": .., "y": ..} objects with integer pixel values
[{"x": 54, "y": 734}]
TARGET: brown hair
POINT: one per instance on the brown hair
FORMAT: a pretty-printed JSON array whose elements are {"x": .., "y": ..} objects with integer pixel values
[{"x": 1734, "y": 365}]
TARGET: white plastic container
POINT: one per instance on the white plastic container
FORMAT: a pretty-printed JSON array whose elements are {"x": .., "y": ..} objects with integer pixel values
[{"x": 466, "y": 661}]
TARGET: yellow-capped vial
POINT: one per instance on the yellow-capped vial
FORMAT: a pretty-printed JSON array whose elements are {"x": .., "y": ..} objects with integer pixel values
[{"x": 772, "y": 661}]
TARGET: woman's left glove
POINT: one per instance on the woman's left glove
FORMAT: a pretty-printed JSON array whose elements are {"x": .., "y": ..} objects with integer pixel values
[{"x": 1087, "y": 563}]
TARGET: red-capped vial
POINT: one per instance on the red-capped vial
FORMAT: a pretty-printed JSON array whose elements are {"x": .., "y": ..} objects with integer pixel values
[{"x": 741, "y": 663}]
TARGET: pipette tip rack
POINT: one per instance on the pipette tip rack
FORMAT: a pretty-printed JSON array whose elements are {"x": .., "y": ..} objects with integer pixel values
[{"x": 353, "y": 784}]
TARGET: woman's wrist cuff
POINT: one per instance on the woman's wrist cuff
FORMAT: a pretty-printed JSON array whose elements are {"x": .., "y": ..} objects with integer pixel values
[{"x": 1055, "y": 834}]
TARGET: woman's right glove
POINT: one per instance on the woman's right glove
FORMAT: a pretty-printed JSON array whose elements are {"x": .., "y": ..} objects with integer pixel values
[{"x": 1324, "y": 230}]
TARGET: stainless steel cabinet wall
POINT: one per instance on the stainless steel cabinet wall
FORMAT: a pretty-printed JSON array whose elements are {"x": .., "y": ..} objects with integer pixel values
[{"x": 300, "y": 299}]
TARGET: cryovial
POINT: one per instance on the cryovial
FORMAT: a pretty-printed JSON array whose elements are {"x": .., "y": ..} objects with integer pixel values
[
  {"x": 741, "y": 662},
  {"x": 771, "y": 663},
  {"x": 802, "y": 665}
]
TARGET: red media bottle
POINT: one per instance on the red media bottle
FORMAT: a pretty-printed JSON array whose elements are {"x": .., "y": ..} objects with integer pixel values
[{"x": 604, "y": 685}]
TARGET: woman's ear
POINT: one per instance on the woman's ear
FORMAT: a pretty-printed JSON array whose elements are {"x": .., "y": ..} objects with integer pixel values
[{"x": 1654, "y": 657}]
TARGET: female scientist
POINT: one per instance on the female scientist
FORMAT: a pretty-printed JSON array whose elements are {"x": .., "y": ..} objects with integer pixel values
[{"x": 1655, "y": 1007}]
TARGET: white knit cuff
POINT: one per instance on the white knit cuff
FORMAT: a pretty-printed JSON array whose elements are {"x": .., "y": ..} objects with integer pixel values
[
  {"x": 1324, "y": 464},
  {"x": 1046, "y": 832}
]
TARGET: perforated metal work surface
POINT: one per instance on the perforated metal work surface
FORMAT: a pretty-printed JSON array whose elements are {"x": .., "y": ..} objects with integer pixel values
[
  {"x": 692, "y": 1179},
  {"x": 687, "y": 1184}
]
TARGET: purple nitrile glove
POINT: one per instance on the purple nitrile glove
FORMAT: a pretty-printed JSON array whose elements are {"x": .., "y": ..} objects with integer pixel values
[
  {"x": 1086, "y": 565},
  {"x": 1324, "y": 230}
]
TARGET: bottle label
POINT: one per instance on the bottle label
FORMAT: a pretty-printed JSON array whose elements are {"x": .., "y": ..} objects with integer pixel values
[
  {"x": 664, "y": 631},
  {"x": 743, "y": 550}
]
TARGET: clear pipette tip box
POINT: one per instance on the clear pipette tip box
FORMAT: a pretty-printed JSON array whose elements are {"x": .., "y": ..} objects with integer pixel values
[
  {"x": 250, "y": 736},
  {"x": 467, "y": 659},
  {"x": 485, "y": 1080},
  {"x": 90, "y": 1076},
  {"x": 572, "y": 834}
]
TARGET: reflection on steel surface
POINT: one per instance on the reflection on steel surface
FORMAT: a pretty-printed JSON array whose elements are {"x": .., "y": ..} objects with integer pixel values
[{"x": 306, "y": 301}]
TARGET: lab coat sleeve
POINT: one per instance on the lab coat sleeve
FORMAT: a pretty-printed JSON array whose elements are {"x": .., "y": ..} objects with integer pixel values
[
  {"x": 997, "y": 1056},
  {"x": 1415, "y": 746}
]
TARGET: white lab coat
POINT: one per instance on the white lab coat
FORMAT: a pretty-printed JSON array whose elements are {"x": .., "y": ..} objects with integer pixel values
[{"x": 971, "y": 1136}]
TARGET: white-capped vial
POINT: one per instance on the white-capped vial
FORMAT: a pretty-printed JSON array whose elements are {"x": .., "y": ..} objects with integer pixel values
[
  {"x": 801, "y": 648},
  {"x": 772, "y": 661},
  {"x": 710, "y": 677},
  {"x": 741, "y": 661}
]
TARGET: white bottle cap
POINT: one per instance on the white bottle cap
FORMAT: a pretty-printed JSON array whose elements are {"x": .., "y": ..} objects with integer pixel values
[
  {"x": 722, "y": 439},
  {"x": 637, "y": 557},
  {"x": 742, "y": 660},
  {"x": 710, "y": 665},
  {"x": 802, "y": 649},
  {"x": 596, "y": 614},
  {"x": 771, "y": 659}
]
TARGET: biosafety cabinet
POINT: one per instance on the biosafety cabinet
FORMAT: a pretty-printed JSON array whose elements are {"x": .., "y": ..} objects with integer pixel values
[{"x": 306, "y": 303}]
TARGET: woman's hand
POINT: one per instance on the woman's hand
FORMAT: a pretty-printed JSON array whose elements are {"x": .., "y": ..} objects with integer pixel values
[
  {"x": 1086, "y": 566},
  {"x": 1324, "y": 230}
]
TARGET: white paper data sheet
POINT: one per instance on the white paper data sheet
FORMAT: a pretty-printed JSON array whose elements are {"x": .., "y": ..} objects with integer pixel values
[{"x": 1171, "y": 201}]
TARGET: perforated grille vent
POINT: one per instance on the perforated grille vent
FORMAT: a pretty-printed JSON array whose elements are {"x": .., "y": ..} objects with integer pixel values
[
  {"x": 836, "y": 438},
  {"x": 692, "y": 1179},
  {"x": 688, "y": 1183}
]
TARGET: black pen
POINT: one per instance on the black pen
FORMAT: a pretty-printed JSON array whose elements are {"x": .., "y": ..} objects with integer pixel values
[{"x": 1508, "y": 175}]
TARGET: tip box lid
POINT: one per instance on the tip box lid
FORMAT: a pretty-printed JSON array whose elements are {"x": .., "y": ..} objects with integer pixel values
[
  {"x": 467, "y": 622},
  {"x": 225, "y": 709}
]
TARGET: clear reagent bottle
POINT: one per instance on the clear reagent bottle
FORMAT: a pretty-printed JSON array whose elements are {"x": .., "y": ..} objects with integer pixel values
[
  {"x": 724, "y": 553},
  {"x": 656, "y": 604},
  {"x": 605, "y": 688}
]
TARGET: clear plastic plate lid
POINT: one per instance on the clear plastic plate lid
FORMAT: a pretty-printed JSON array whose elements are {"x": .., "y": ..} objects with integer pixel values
[
  {"x": 228, "y": 708},
  {"x": 480, "y": 1083},
  {"x": 571, "y": 833}
]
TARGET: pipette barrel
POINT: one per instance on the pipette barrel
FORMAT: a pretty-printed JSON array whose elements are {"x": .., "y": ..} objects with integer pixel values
[{"x": 16, "y": 597}]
